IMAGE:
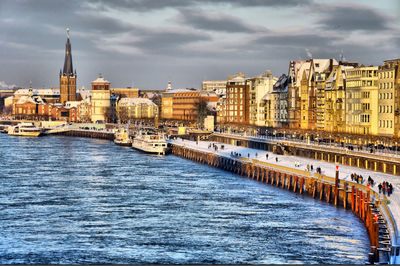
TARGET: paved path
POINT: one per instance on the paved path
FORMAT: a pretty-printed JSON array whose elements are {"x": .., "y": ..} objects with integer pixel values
[{"x": 328, "y": 169}]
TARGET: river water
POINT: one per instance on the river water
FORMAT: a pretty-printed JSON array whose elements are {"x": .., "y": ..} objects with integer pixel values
[{"x": 66, "y": 200}]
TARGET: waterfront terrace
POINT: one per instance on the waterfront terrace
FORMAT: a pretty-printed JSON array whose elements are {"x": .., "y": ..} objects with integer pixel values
[{"x": 292, "y": 169}]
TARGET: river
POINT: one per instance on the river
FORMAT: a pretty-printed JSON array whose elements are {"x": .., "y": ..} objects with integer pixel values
[{"x": 66, "y": 200}]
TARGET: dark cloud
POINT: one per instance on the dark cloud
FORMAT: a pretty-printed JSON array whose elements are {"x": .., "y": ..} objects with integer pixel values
[
  {"x": 215, "y": 22},
  {"x": 149, "y": 5},
  {"x": 91, "y": 22},
  {"x": 351, "y": 18},
  {"x": 292, "y": 40},
  {"x": 163, "y": 40}
]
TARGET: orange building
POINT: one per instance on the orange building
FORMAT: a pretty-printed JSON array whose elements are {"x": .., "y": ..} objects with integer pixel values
[{"x": 185, "y": 105}]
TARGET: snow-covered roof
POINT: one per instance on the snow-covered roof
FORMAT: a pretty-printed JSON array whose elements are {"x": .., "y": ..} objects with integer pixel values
[
  {"x": 135, "y": 101},
  {"x": 237, "y": 79},
  {"x": 27, "y": 99},
  {"x": 332, "y": 77},
  {"x": 72, "y": 104},
  {"x": 321, "y": 64},
  {"x": 100, "y": 80},
  {"x": 23, "y": 91},
  {"x": 42, "y": 92},
  {"x": 47, "y": 92},
  {"x": 208, "y": 93}
]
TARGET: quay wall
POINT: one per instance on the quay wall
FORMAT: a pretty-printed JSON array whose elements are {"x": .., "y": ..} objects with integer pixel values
[
  {"x": 369, "y": 161},
  {"x": 88, "y": 134},
  {"x": 363, "y": 202}
]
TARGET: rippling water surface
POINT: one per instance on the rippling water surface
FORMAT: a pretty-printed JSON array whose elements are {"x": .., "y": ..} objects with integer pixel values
[{"x": 80, "y": 201}]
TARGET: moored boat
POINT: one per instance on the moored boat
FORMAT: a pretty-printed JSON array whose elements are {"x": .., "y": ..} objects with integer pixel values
[
  {"x": 154, "y": 143},
  {"x": 122, "y": 137},
  {"x": 25, "y": 130}
]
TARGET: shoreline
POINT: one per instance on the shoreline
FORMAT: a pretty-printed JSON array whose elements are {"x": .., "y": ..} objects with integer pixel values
[{"x": 363, "y": 202}]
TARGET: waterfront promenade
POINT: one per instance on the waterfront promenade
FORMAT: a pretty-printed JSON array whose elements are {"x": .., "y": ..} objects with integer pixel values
[{"x": 327, "y": 169}]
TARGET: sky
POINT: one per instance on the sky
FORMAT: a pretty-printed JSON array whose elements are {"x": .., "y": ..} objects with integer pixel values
[{"x": 147, "y": 43}]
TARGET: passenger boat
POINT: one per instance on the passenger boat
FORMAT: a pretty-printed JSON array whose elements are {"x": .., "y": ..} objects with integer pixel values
[
  {"x": 25, "y": 129},
  {"x": 122, "y": 137},
  {"x": 153, "y": 143}
]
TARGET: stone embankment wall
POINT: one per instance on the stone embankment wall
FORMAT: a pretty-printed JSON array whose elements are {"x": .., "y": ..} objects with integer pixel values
[
  {"x": 358, "y": 198},
  {"x": 89, "y": 134}
]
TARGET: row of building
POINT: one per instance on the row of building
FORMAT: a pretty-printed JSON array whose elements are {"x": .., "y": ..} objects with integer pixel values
[{"x": 315, "y": 94}]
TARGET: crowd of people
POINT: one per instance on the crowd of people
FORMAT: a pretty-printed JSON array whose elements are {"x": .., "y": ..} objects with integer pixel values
[
  {"x": 215, "y": 146},
  {"x": 236, "y": 154},
  {"x": 359, "y": 178},
  {"x": 385, "y": 188}
]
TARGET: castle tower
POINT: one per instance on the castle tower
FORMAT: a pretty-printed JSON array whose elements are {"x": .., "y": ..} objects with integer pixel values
[{"x": 67, "y": 76}]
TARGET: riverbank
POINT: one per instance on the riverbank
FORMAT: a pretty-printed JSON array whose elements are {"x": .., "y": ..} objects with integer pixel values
[{"x": 254, "y": 163}]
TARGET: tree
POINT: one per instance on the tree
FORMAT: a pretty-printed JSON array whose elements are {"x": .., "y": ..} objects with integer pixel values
[{"x": 203, "y": 111}]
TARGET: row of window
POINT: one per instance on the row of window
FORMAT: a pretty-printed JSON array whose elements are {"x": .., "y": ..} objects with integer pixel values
[
  {"x": 365, "y": 118},
  {"x": 385, "y": 75},
  {"x": 235, "y": 89},
  {"x": 386, "y": 95},
  {"x": 386, "y": 85},
  {"x": 386, "y": 123},
  {"x": 234, "y": 107},
  {"x": 385, "y": 109}
]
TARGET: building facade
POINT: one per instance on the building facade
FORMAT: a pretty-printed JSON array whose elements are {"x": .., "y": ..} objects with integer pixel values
[
  {"x": 237, "y": 103},
  {"x": 388, "y": 98},
  {"x": 362, "y": 100},
  {"x": 101, "y": 104},
  {"x": 258, "y": 88},
  {"x": 125, "y": 92},
  {"x": 217, "y": 86},
  {"x": 136, "y": 108}
]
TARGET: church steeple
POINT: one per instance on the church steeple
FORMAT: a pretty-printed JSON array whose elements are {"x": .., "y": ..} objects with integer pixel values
[
  {"x": 68, "y": 69},
  {"x": 67, "y": 76}
]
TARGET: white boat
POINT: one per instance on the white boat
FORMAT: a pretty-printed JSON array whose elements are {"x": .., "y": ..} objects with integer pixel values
[
  {"x": 150, "y": 143},
  {"x": 25, "y": 129},
  {"x": 122, "y": 137}
]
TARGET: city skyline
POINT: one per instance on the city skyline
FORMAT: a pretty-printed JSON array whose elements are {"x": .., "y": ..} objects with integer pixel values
[{"x": 145, "y": 44}]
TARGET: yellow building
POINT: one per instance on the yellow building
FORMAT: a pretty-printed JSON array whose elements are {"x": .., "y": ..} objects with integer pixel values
[
  {"x": 388, "y": 99},
  {"x": 320, "y": 99},
  {"x": 166, "y": 105},
  {"x": 101, "y": 103},
  {"x": 362, "y": 100},
  {"x": 310, "y": 71},
  {"x": 136, "y": 108},
  {"x": 125, "y": 92},
  {"x": 259, "y": 87}
]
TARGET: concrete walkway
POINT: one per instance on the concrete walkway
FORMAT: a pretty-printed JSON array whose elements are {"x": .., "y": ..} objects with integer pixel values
[{"x": 327, "y": 168}]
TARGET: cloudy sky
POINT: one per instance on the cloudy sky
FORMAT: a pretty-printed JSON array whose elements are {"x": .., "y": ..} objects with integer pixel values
[{"x": 146, "y": 43}]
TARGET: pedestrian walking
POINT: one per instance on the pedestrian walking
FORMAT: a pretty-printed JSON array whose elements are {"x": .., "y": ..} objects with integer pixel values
[
  {"x": 276, "y": 159},
  {"x": 266, "y": 156},
  {"x": 380, "y": 187}
]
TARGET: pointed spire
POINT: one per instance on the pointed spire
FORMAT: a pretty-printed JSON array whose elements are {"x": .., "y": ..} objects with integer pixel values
[{"x": 68, "y": 69}]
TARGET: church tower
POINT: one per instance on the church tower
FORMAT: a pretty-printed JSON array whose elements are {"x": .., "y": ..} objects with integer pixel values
[{"x": 67, "y": 76}]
